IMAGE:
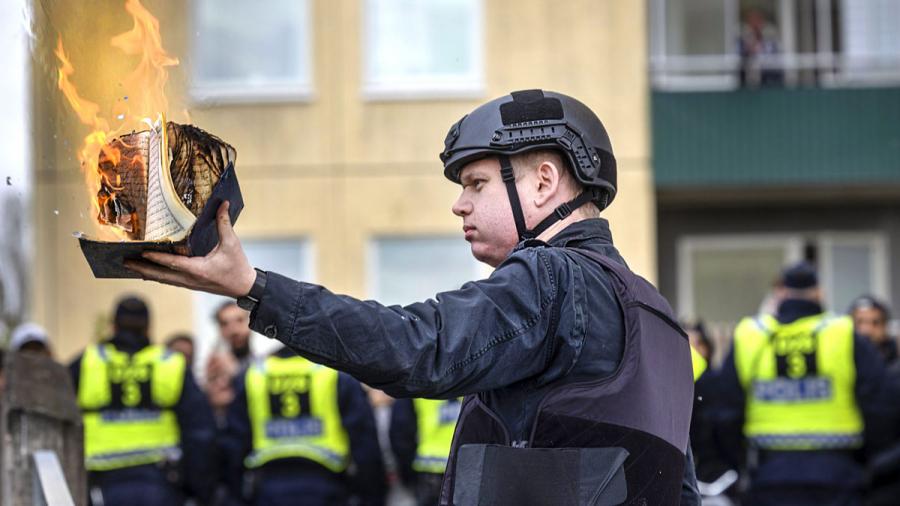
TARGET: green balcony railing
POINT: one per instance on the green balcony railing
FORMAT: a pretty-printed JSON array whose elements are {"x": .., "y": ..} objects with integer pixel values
[{"x": 776, "y": 137}]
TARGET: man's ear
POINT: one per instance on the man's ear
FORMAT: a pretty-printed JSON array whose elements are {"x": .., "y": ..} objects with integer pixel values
[{"x": 548, "y": 177}]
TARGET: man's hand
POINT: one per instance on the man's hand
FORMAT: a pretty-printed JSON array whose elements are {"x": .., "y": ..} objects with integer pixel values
[{"x": 224, "y": 271}]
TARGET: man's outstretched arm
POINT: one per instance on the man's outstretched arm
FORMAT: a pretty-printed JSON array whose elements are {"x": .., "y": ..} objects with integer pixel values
[{"x": 488, "y": 334}]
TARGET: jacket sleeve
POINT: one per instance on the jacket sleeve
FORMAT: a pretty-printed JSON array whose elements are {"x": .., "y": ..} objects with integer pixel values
[
  {"x": 488, "y": 334},
  {"x": 198, "y": 433},
  {"x": 369, "y": 480},
  {"x": 404, "y": 437}
]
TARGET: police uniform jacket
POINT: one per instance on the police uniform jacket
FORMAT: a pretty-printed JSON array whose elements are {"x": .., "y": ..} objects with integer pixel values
[
  {"x": 197, "y": 433},
  {"x": 491, "y": 336},
  {"x": 357, "y": 418},
  {"x": 830, "y": 468}
]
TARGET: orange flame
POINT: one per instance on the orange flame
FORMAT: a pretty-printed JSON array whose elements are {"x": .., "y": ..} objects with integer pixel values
[{"x": 144, "y": 98}]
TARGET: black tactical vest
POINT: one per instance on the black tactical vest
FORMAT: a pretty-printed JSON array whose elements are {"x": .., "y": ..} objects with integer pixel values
[{"x": 621, "y": 439}]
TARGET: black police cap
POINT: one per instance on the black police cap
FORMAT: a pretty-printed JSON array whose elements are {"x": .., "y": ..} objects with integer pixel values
[{"x": 800, "y": 276}]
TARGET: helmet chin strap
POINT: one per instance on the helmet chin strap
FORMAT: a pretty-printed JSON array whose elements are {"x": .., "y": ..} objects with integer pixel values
[{"x": 560, "y": 213}]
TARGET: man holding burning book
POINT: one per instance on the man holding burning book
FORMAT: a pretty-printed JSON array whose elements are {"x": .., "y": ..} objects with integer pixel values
[{"x": 577, "y": 379}]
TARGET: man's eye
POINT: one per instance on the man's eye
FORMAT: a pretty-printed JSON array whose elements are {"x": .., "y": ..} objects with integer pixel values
[{"x": 478, "y": 184}]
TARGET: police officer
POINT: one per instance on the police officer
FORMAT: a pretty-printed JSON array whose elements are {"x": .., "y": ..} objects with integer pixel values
[
  {"x": 577, "y": 378},
  {"x": 295, "y": 427},
  {"x": 148, "y": 430},
  {"x": 421, "y": 432},
  {"x": 870, "y": 319},
  {"x": 799, "y": 386}
]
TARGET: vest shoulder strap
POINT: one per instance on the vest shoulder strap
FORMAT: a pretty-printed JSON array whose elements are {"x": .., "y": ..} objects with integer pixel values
[{"x": 637, "y": 290}]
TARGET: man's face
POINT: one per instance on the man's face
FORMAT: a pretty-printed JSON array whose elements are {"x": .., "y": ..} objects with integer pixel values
[
  {"x": 870, "y": 322},
  {"x": 484, "y": 206},
  {"x": 234, "y": 326},
  {"x": 184, "y": 347}
]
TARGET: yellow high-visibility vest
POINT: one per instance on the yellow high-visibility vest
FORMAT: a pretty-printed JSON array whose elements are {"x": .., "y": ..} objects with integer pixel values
[
  {"x": 127, "y": 403},
  {"x": 436, "y": 421},
  {"x": 698, "y": 363},
  {"x": 293, "y": 409},
  {"x": 799, "y": 379}
]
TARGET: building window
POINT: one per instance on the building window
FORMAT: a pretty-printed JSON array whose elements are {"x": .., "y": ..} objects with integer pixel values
[
  {"x": 403, "y": 270},
  {"x": 290, "y": 257},
  {"x": 422, "y": 49},
  {"x": 852, "y": 264},
  {"x": 724, "y": 278},
  {"x": 244, "y": 52},
  {"x": 726, "y": 44}
]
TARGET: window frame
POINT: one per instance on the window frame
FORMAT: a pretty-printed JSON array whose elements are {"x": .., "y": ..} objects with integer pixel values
[
  {"x": 792, "y": 244},
  {"x": 373, "y": 289},
  {"x": 879, "y": 270},
  {"x": 213, "y": 93},
  {"x": 433, "y": 87},
  {"x": 836, "y": 69}
]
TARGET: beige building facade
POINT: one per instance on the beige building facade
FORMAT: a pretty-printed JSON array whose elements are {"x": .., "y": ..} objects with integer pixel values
[{"x": 339, "y": 171}]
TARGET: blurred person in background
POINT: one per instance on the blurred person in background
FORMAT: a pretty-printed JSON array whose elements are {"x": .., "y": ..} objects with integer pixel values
[
  {"x": 707, "y": 452},
  {"x": 148, "y": 430},
  {"x": 421, "y": 433},
  {"x": 231, "y": 355},
  {"x": 183, "y": 343},
  {"x": 700, "y": 341},
  {"x": 870, "y": 319},
  {"x": 2, "y": 377},
  {"x": 382, "y": 406},
  {"x": 759, "y": 39},
  {"x": 800, "y": 388},
  {"x": 30, "y": 338},
  {"x": 294, "y": 431},
  {"x": 221, "y": 368},
  {"x": 234, "y": 329}
]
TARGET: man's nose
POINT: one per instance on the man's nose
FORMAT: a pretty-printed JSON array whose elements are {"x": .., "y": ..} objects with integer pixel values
[{"x": 462, "y": 206}]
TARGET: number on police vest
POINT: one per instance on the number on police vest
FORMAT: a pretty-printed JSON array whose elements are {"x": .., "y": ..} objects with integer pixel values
[
  {"x": 289, "y": 395},
  {"x": 795, "y": 355},
  {"x": 130, "y": 385}
]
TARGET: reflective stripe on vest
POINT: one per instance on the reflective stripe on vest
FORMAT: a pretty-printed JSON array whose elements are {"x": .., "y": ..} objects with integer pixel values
[
  {"x": 799, "y": 378},
  {"x": 436, "y": 421},
  {"x": 698, "y": 363},
  {"x": 127, "y": 405},
  {"x": 293, "y": 409}
]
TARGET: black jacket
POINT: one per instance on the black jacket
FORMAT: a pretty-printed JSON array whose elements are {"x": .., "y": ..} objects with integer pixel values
[{"x": 491, "y": 336}]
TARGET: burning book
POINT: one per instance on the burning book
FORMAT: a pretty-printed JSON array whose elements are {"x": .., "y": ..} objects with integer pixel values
[{"x": 161, "y": 188}]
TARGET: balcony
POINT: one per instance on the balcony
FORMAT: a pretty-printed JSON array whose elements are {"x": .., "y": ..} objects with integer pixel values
[{"x": 776, "y": 138}]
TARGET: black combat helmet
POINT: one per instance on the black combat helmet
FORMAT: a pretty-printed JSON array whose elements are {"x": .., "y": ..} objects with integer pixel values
[{"x": 535, "y": 119}]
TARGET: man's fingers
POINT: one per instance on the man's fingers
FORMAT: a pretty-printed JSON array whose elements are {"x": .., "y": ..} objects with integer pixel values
[
  {"x": 223, "y": 224},
  {"x": 158, "y": 273},
  {"x": 174, "y": 262}
]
